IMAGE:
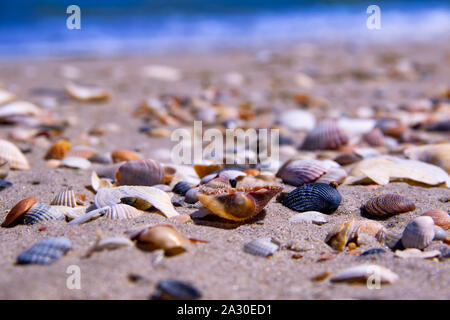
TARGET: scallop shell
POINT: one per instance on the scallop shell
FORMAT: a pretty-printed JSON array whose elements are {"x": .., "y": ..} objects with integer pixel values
[
  {"x": 418, "y": 233},
  {"x": 325, "y": 136},
  {"x": 67, "y": 198},
  {"x": 313, "y": 197},
  {"x": 44, "y": 212},
  {"x": 85, "y": 93},
  {"x": 387, "y": 205},
  {"x": 440, "y": 218},
  {"x": 76, "y": 163},
  {"x": 437, "y": 154},
  {"x": 162, "y": 236},
  {"x": 169, "y": 289},
  {"x": 58, "y": 150},
  {"x": 13, "y": 155},
  {"x": 374, "y": 137},
  {"x": 45, "y": 252},
  {"x": 238, "y": 204},
  {"x": 142, "y": 198},
  {"x": 123, "y": 155},
  {"x": 263, "y": 247},
  {"x": 18, "y": 210},
  {"x": 4, "y": 168},
  {"x": 181, "y": 188},
  {"x": 146, "y": 172},
  {"x": 122, "y": 212},
  {"x": 364, "y": 272},
  {"x": 300, "y": 172}
]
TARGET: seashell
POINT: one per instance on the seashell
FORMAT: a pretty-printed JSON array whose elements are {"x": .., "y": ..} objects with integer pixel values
[
  {"x": 169, "y": 174},
  {"x": 372, "y": 251},
  {"x": 374, "y": 137},
  {"x": 75, "y": 163},
  {"x": 122, "y": 212},
  {"x": 6, "y": 96},
  {"x": 142, "y": 198},
  {"x": 4, "y": 168},
  {"x": 162, "y": 236},
  {"x": 300, "y": 172},
  {"x": 437, "y": 154},
  {"x": 386, "y": 205},
  {"x": 58, "y": 150},
  {"x": 313, "y": 197},
  {"x": 348, "y": 158},
  {"x": 439, "y": 233},
  {"x": 169, "y": 289},
  {"x": 297, "y": 120},
  {"x": 108, "y": 244},
  {"x": 83, "y": 152},
  {"x": 357, "y": 174},
  {"x": 19, "y": 108},
  {"x": 238, "y": 204},
  {"x": 232, "y": 175},
  {"x": 97, "y": 183},
  {"x": 325, "y": 136},
  {"x": 191, "y": 196},
  {"x": 13, "y": 155},
  {"x": 43, "y": 212},
  {"x": 161, "y": 72},
  {"x": 5, "y": 184},
  {"x": 205, "y": 169},
  {"x": 418, "y": 233},
  {"x": 310, "y": 217},
  {"x": 109, "y": 171},
  {"x": 18, "y": 210},
  {"x": 45, "y": 252},
  {"x": 98, "y": 158},
  {"x": 145, "y": 172},
  {"x": 84, "y": 93},
  {"x": 337, "y": 175},
  {"x": 181, "y": 188},
  {"x": 440, "y": 218},
  {"x": 263, "y": 247},
  {"x": 364, "y": 273},
  {"x": 416, "y": 253},
  {"x": 356, "y": 126},
  {"x": 442, "y": 126},
  {"x": 123, "y": 155},
  {"x": 67, "y": 198}
]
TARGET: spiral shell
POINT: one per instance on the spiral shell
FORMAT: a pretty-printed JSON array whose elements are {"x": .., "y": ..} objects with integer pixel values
[
  {"x": 300, "y": 172},
  {"x": 58, "y": 150},
  {"x": 325, "y": 136},
  {"x": 45, "y": 252},
  {"x": 18, "y": 210},
  {"x": 122, "y": 212},
  {"x": 12, "y": 154},
  {"x": 123, "y": 155},
  {"x": 313, "y": 197},
  {"x": 44, "y": 212},
  {"x": 418, "y": 233},
  {"x": 162, "y": 236},
  {"x": 146, "y": 172},
  {"x": 440, "y": 218},
  {"x": 387, "y": 205},
  {"x": 67, "y": 198}
]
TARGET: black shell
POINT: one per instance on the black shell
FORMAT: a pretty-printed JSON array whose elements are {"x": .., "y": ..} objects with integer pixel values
[
  {"x": 313, "y": 197},
  {"x": 5, "y": 184},
  {"x": 181, "y": 188},
  {"x": 170, "y": 289},
  {"x": 45, "y": 252}
]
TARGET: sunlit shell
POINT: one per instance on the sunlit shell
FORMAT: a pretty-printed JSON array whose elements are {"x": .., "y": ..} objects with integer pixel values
[
  {"x": 326, "y": 135},
  {"x": 440, "y": 218},
  {"x": 169, "y": 289},
  {"x": 333, "y": 174},
  {"x": 437, "y": 154},
  {"x": 45, "y": 252},
  {"x": 363, "y": 273},
  {"x": 19, "y": 108},
  {"x": 4, "y": 168},
  {"x": 111, "y": 243},
  {"x": 162, "y": 236},
  {"x": 13, "y": 155},
  {"x": 146, "y": 172},
  {"x": 205, "y": 169},
  {"x": 238, "y": 204},
  {"x": 6, "y": 96},
  {"x": 97, "y": 182},
  {"x": 418, "y": 233},
  {"x": 44, "y": 212},
  {"x": 263, "y": 247},
  {"x": 75, "y": 163},
  {"x": 313, "y": 197},
  {"x": 123, "y": 155},
  {"x": 18, "y": 210},
  {"x": 67, "y": 198},
  {"x": 300, "y": 172},
  {"x": 85, "y": 93},
  {"x": 122, "y": 212},
  {"x": 387, "y": 205},
  {"x": 138, "y": 196},
  {"x": 58, "y": 150}
]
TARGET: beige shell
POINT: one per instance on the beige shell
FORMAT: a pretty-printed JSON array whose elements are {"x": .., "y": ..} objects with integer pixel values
[
  {"x": 15, "y": 157},
  {"x": 6, "y": 96},
  {"x": 437, "y": 154},
  {"x": 84, "y": 93},
  {"x": 122, "y": 212},
  {"x": 110, "y": 243},
  {"x": 418, "y": 233},
  {"x": 364, "y": 273},
  {"x": 162, "y": 236},
  {"x": 440, "y": 218},
  {"x": 19, "y": 108},
  {"x": 333, "y": 174},
  {"x": 75, "y": 163},
  {"x": 416, "y": 253},
  {"x": 97, "y": 182}
]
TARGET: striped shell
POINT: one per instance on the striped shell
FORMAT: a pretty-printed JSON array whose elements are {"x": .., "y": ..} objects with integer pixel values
[
  {"x": 300, "y": 172},
  {"x": 363, "y": 273},
  {"x": 374, "y": 137},
  {"x": 325, "y": 136},
  {"x": 122, "y": 212},
  {"x": 263, "y": 247},
  {"x": 418, "y": 233},
  {"x": 387, "y": 205},
  {"x": 43, "y": 212},
  {"x": 18, "y": 210},
  {"x": 45, "y": 252},
  {"x": 181, "y": 188},
  {"x": 123, "y": 155},
  {"x": 66, "y": 198},
  {"x": 146, "y": 172},
  {"x": 313, "y": 197},
  {"x": 13, "y": 155},
  {"x": 169, "y": 289},
  {"x": 440, "y": 218}
]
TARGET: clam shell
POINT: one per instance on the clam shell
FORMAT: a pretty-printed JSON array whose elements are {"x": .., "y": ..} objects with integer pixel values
[
  {"x": 313, "y": 197},
  {"x": 146, "y": 172},
  {"x": 44, "y": 212},
  {"x": 13, "y": 155},
  {"x": 439, "y": 233},
  {"x": 18, "y": 210},
  {"x": 66, "y": 198},
  {"x": 300, "y": 172},
  {"x": 440, "y": 218},
  {"x": 76, "y": 163},
  {"x": 418, "y": 233},
  {"x": 123, "y": 155},
  {"x": 162, "y": 236},
  {"x": 4, "y": 168},
  {"x": 145, "y": 197},
  {"x": 263, "y": 247},
  {"x": 85, "y": 93},
  {"x": 169, "y": 289},
  {"x": 310, "y": 217},
  {"x": 325, "y": 136},
  {"x": 122, "y": 212},
  {"x": 363, "y": 273},
  {"x": 83, "y": 152},
  {"x": 348, "y": 158},
  {"x": 58, "y": 150},
  {"x": 387, "y": 205},
  {"x": 45, "y": 252},
  {"x": 181, "y": 188},
  {"x": 437, "y": 154},
  {"x": 191, "y": 196}
]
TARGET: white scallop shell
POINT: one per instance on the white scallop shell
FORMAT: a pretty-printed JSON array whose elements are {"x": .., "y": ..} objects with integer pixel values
[
  {"x": 364, "y": 272},
  {"x": 122, "y": 212},
  {"x": 15, "y": 157},
  {"x": 65, "y": 198}
]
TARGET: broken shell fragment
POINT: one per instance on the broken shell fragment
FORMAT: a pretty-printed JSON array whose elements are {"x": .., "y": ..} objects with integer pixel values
[
  {"x": 146, "y": 172},
  {"x": 416, "y": 253},
  {"x": 85, "y": 93},
  {"x": 45, "y": 252},
  {"x": 12, "y": 154},
  {"x": 97, "y": 183},
  {"x": 263, "y": 247},
  {"x": 18, "y": 210},
  {"x": 365, "y": 272},
  {"x": 437, "y": 154},
  {"x": 387, "y": 205},
  {"x": 111, "y": 243},
  {"x": 309, "y": 217},
  {"x": 67, "y": 198},
  {"x": 162, "y": 236},
  {"x": 418, "y": 233}
]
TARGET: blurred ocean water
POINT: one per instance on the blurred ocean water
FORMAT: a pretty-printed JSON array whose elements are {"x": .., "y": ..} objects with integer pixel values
[{"x": 38, "y": 28}]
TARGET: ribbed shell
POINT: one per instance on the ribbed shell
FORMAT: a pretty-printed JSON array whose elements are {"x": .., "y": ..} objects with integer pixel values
[
  {"x": 325, "y": 136},
  {"x": 65, "y": 198},
  {"x": 418, "y": 233},
  {"x": 374, "y": 137},
  {"x": 45, "y": 252},
  {"x": 169, "y": 289},
  {"x": 43, "y": 212},
  {"x": 13, "y": 155},
  {"x": 146, "y": 172},
  {"x": 262, "y": 247},
  {"x": 440, "y": 218},
  {"x": 387, "y": 205},
  {"x": 300, "y": 172},
  {"x": 181, "y": 188},
  {"x": 313, "y": 197},
  {"x": 122, "y": 212}
]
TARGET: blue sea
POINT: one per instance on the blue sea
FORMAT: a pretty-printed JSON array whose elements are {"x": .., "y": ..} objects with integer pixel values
[{"x": 113, "y": 28}]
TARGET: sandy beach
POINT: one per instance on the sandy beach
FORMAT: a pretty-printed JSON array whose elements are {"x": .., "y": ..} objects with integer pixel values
[{"x": 349, "y": 78}]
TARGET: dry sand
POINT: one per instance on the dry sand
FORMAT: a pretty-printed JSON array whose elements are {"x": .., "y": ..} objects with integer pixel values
[{"x": 220, "y": 268}]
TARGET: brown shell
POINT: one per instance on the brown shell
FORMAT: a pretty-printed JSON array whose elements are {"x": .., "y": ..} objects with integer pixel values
[
  {"x": 18, "y": 210},
  {"x": 123, "y": 155},
  {"x": 203, "y": 170},
  {"x": 162, "y": 236},
  {"x": 440, "y": 218},
  {"x": 58, "y": 150},
  {"x": 238, "y": 204},
  {"x": 169, "y": 173},
  {"x": 348, "y": 158},
  {"x": 374, "y": 137},
  {"x": 145, "y": 172},
  {"x": 300, "y": 172},
  {"x": 325, "y": 136},
  {"x": 387, "y": 205}
]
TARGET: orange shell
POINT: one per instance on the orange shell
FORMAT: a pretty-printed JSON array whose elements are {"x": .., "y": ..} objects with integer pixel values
[
  {"x": 18, "y": 210},
  {"x": 123, "y": 155},
  {"x": 203, "y": 170},
  {"x": 440, "y": 218},
  {"x": 58, "y": 150}
]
